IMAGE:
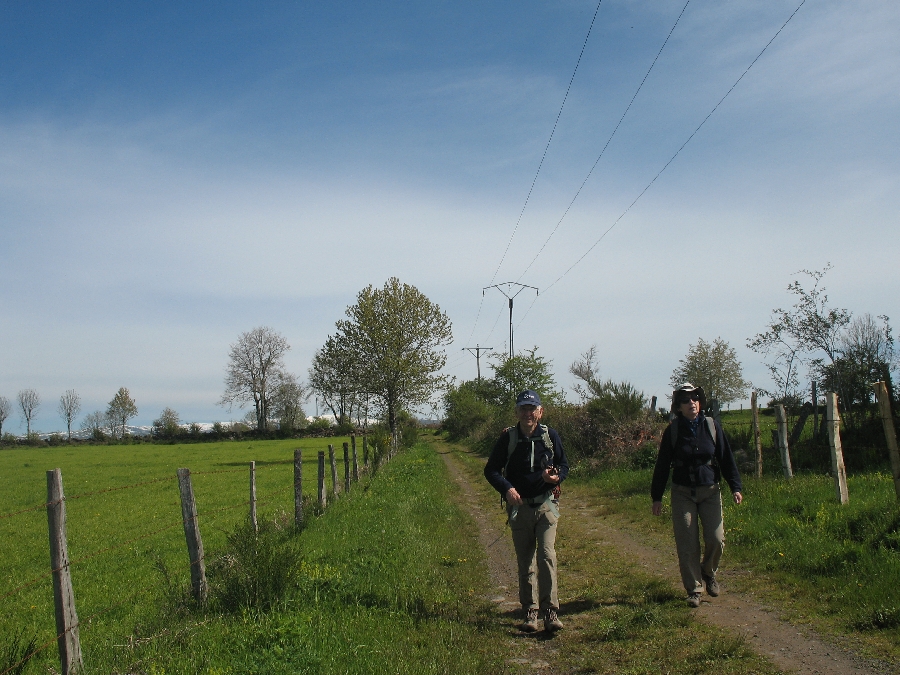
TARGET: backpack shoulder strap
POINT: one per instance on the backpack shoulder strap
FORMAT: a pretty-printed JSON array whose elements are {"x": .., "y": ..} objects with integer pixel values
[
  {"x": 545, "y": 437},
  {"x": 711, "y": 425},
  {"x": 513, "y": 441}
]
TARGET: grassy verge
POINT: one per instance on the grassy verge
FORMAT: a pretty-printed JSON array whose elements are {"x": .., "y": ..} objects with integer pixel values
[
  {"x": 620, "y": 618},
  {"x": 834, "y": 567},
  {"x": 384, "y": 584}
]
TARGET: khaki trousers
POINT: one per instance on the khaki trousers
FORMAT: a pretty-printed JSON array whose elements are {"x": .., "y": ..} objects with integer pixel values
[
  {"x": 689, "y": 505},
  {"x": 534, "y": 538}
]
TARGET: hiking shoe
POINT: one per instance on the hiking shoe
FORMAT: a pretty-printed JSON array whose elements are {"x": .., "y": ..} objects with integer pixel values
[
  {"x": 694, "y": 599},
  {"x": 551, "y": 621},
  {"x": 712, "y": 586},
  {"x": 530, "y": 624}
]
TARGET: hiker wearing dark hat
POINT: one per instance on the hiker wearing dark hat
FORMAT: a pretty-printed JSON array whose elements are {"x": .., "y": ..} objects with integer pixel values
[
  {"x": 694, "y": 448},
  {"x": 526, "y": 467}
]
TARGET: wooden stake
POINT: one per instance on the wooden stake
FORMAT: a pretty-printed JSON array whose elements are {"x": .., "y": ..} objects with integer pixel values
[
  {"x": 298, "y": 487},
  {"x": 322, "y": 498},
  {"x": 346, "y": 467},
  {"x": 67, "y": 637},
  {"x": 781, "y": 419},
  {"x": 890, "y": 434},
  {"x": 334, "y": 483},
  {"x": 192, "y": 536},
  {"x": 757, "y": 441},
  {"x": 253, "y": 496},
  {"x": 837, "y": 454}
]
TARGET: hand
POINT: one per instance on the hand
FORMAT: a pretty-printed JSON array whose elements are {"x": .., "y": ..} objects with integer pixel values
[
  {"x": 738, "y": 497},
  {"x": 512, "y": 497},
  {"x": 550, "y": 476},
  {"x": 656, "y": 508}
]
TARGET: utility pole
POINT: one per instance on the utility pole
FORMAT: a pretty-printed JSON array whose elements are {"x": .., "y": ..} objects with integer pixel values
[
  {"x": 510, "y": 295},
  {"x": 476, "y": 350}
]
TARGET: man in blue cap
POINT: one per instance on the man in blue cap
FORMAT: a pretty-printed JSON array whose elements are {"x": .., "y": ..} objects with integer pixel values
[{"x": 526, "y": 467}]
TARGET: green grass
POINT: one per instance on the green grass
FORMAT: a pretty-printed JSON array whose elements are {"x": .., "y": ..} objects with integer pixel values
[{"x": 837, "y": 567}]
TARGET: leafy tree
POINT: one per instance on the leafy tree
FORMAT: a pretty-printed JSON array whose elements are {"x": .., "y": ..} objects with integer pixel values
[
  {"x": 168, "y": 424},
  {"x": 525, "y": 370},
  {"x": 287, "y": 403},
  {"x": 5, "y": 409},
  {"x": 797, "y": 335},
  {"x": 29, "y": 402},
  {"x": 715, "y": 367},
  {"x": 121, "y": 409},
  {"x": 396, "y": 333},
  {"x": 334, "y": 376},
  {"x": 69, "y": 407},
  {"x": 254, "y": 364},
  {"x": 467, "y": 412}
]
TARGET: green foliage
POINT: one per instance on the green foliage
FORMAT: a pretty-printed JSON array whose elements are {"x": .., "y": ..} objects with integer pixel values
[
  {"x": 168, "y": 424},
  {"x": 467, "y": 412},
  {"x": 396, "y": 335},
  {"x": 319, "y": 425},
  {"x": 121, "y": 409},
  {"x": 15, "y": 652},
  {"x": 715, "y": 367},
  {"x": 514, "y": 374}
]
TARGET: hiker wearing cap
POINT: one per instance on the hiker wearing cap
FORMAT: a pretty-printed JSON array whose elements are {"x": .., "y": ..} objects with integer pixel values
[
  {"x": 695, "y": 450},
  {"x": 526, "y": 467}
]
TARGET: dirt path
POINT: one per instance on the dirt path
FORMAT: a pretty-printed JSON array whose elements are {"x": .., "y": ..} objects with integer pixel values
[{"x": 791, "y": 648}]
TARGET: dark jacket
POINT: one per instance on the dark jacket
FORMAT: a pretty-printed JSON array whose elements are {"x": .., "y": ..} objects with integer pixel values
[
  {"x": 527, "y": 480},
  {"x": 695, "y": 460}
]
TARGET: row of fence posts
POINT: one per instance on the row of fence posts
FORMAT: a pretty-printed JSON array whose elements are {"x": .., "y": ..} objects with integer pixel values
[
  {"x": 68, "y": 642},
  {"x": 833, "y": 425}
]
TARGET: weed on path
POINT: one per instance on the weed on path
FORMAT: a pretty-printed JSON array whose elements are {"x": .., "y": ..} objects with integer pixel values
[{"x": 622, "y": 603}]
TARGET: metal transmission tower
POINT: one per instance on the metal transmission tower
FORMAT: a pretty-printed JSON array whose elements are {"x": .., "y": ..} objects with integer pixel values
[
  {"x": 476, "y": 350},
  {"x": 508, "y": 292}
]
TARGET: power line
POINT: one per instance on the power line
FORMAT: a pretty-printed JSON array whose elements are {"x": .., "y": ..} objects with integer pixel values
[
  {"x": 677, "y": 152},
  {"x": 608, "y": 140}
]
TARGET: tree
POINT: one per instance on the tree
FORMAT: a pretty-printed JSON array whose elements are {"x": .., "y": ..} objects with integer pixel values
[
  {"x": 168, "y": 424},
  {"x": 69, "y": 407},
  {"x": 95, "y": 425},
  {"x": 396, "y": 334},
  {"x": 334, "y": 376},
  {"x": 607, "y": 400},
  {"x": 526, "y": 370},
  {"x": 254, "y": 363},
  {"x": 29, "y": 402},
  {"x": 5, "y": 409},
  {"x": 287, "y": 403},
  {"x": 715, "y": 367},
  {"x": 121, "y": 409},
  {"x": 797, "y": 335}
]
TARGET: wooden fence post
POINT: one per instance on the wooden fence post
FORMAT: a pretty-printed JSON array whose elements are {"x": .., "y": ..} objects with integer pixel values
[
  {"x": 890, "y": 434},
  {"x": 757, "y": 441},
  {"x": 334, "y": 483},
  {"x": 346, "y": 467},
  {"x": 322, "y": 499},
  {"x": 67, "y": 639},
  {"x": 653, "y": 404},
  {"x": 815, "y": 402},
  {"x": 781, "y": 419},
  {"x": 837, "y": 453},
  {"x": 192, "y": 535},
  {"x": 298, "y": 487},
  {"x": 253, "y": 497}
]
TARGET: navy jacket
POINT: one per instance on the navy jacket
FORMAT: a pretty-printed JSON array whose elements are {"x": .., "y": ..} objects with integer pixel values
[
  {"x": 527, "y": 480},
  {"x": 695, "y": 460}
]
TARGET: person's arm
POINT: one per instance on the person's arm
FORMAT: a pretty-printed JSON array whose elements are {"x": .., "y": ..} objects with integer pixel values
[
  {"x": 560, "y": 461},
  {"x": 493, "y": 470},
  {"x": 661, "y": 470}
]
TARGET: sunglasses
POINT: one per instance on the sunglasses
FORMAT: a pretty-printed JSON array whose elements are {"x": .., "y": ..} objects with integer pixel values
[{"x": 688, "y": 398}]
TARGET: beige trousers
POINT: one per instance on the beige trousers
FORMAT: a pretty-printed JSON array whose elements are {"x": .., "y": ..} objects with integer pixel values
[
  {"x": 534, "y": 538},
  {"x": 690, "y": 505}
]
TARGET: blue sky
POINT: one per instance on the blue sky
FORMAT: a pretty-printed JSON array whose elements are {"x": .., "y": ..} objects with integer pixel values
[{"x": 171, "y": 176}]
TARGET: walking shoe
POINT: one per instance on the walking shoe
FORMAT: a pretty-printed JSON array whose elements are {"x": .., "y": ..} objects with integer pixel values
[
  {"x": 531, "y": 621},
  {"x": 694, "y": 599},
  {"x": 551, "y": 621},
  {"x": 712, "y": 586}
]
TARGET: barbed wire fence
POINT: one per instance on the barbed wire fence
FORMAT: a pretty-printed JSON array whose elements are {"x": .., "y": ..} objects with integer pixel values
[{"x": 68, "y": 626}]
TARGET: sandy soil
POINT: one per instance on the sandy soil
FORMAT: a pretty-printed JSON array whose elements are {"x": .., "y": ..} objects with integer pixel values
[{"x": 794, "y": 649}]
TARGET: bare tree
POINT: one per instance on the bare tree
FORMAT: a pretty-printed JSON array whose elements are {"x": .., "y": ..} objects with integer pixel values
[
  {"x": 254, "y": 363},
  {"x": 95, "y": 425},
  {"x": 29, "y": 402},
  {"x": 120, "y": 410},
  {"x": 69, "y": 407},
  {"x": 5, "y": 409},
  {"x": 287, "y": 403}
]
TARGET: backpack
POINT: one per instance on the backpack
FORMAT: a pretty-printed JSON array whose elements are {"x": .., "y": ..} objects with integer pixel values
[{"x": 514, "y": 441}]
